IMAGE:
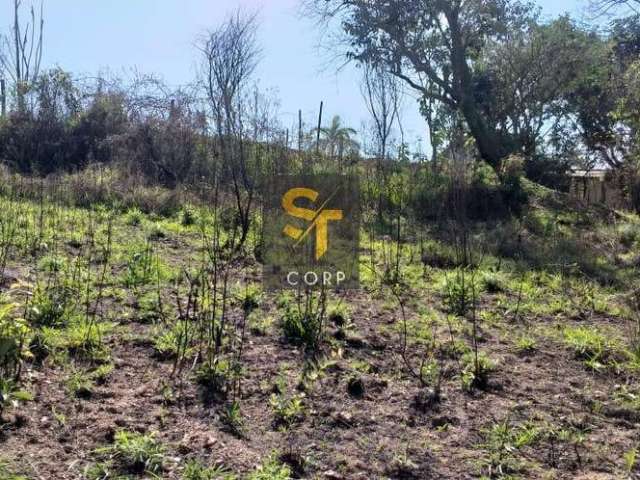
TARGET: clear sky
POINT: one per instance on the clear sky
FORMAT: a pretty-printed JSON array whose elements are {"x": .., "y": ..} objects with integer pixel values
[{"x": 157, "y": 36}]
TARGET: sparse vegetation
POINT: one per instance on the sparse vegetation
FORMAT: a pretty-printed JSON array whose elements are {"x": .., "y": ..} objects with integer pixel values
[{"x": 495, "y": 330}]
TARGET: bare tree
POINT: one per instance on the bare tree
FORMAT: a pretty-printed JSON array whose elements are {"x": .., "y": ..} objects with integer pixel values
[
  {"x": 21, "y": 53},
  {"x": 605, "y": 7},
  {"x": 231, "y": 55},
  {"x": 381, "y": 92}
]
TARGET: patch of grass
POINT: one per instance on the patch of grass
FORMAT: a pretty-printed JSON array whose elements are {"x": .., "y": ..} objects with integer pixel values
[
  {"x": 259, "y": 322},
  {"x": 251, "y": 297},
  {"x": 437, "y": 255},
  {"x": 194, "y": 470},
  {"x": 133, "y": 217},
  {"x": 50, "y": 307},
  {"x": 80, "y": 384},
  {"x": 170, "y": 342},
  {"x": 629, "y": 233},
  {"x": 526, "y": 344},
  {"x": 476, "y": 374},
  {"x": 10, "y": 394},
  {"x": 339, "y": 314},
  {"x": 8, "y": 473},
  {"x": 231, "y": 417},
  {"x": 188, "y": 216},
  {"x": 589, "y": 345},
  {"x": 493, "y": 282},
  {"x": 502, "y": 442},
  {"x": 271, "y": 469},
  {"x": 287, "y": 409},
  {"x": 459, "y": 292},
  {"x": 135, "y": 453},
  {"x": 300, "y": 327}
]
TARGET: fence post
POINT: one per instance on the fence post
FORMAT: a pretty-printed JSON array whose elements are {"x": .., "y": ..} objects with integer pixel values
[{"x": 3, "y": 97}]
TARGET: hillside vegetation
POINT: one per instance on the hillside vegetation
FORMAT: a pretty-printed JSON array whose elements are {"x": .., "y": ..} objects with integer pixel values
[{"x": 133, "y": 347}]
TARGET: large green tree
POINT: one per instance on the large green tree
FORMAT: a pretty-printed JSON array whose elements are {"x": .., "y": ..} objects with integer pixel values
[{"x": 436, "y": 47}]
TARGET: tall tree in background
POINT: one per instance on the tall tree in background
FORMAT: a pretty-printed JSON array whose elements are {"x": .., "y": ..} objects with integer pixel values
[
  {"x": 381, "y": 92},
  {"x": 21, "y": 52},
  {"x": 338, "y": 139},
  {"x": 230, "y": 56},
  {"x": 435, "y": 48}
]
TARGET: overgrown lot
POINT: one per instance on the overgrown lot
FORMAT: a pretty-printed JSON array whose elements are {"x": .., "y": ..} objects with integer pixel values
[{"x": 134, "y": 345}]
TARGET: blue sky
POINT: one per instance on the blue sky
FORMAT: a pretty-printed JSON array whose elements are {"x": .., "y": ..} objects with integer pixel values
[{"x": 88, "y": 36}]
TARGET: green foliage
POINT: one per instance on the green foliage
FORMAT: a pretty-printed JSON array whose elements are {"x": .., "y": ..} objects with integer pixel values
[
  {"x": 526, "y": 344},
  {"x": 216, "y": 375},
  {"x": 271, "y": 469},
  {"x": 169, "y": 343},
  {"x": 13, "y": 333},
  {"x": 188, "y": 216},
  {"x": 10, "y": 394},
  {"x": 194, "y": 470},
  {"x": 588, "y": 344},
  {"x": 140, "y": 268},
  {"x": 503, "y": 441},
  {"x": 135, "y": 452},
  {"x": 303, "y": 325},
  {"x": 259, "y": 322},
  {"x": 475, "y": 372},
  {"x": 630, "y": 458},
  {"x": 80, "y": 384},
  {"x": 629, "y": 234},
  {"x": 460, "y": 291},
  {"x": 133, "y": 217},
  {"x": 7, "y": 473},
  {"x": 51, "y": 307},
  {"x": 437, "y": 255},
  {"x": 231, "y": 417},
  {"x": 339, "y": 314},
  {"x": 251, "y": 297},
  {"x": 287, "y": 409},
  {"x": 493, "y": 282}
]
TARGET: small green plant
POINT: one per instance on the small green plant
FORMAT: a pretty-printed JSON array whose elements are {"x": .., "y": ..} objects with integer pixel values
[
  {"x": 629, "y": 234},
  {"x": 11, "y": 395},
  {"x": 80, "y": 384},
  {"x": 287, "y": 409},
  {"x": 13, "y": 335},
  {"x": 188, "y": 216},
  {"x": 259, "y": 322},
  {"x": 133, "y": 217},
  {"x": 170, "y": 343},
  {"x": 526, "y": 344},
  {"x": 135, "y": 452},
  {"x": 251, "y": 297},
  {"x": 156, "y": 232},
  {"x": 101, "y": 374},
  {"x": 304, "y": 323},
  {"x": 338, "y": 314},
  {"x": 630, "y": 458},
  {"x": 231, "y": 417},
  {"x": 588, "y": 344},
  {"x": 459, "y": 291},
  {"x": 503, "y": 440},
  {"x": 139, "y": 268},
  {"x": 51, "y": 264},
  {"x": 216, "y": 376},
  {"x": 271, "y": 469},
  {"x": 476, "y": 370},
  {"x": 194, "y": 470},
  {"x": 51, "y": 307},
  {"x": 492, "y": 282},
  {"x": 7, "y": 473}
]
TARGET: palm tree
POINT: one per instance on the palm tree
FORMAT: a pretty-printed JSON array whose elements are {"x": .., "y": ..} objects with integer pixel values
[{"x": 337, "y": 139}]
